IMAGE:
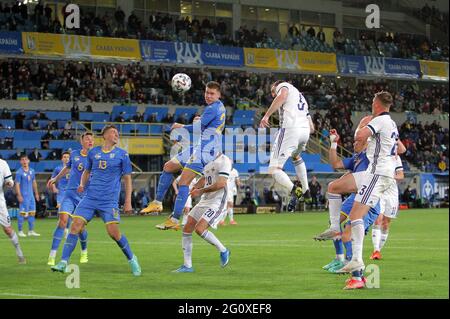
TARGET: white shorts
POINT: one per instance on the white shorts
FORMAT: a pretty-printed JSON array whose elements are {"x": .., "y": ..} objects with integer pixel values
[
  {"x": 5, "y": 220},
  {"x": 389, "y": 205},
  {"x": 287, "y": 142},
  {"x": 375, "y": 187},
  {"x": 359, "y": 177},
  {"x": 210, "y": 214}
]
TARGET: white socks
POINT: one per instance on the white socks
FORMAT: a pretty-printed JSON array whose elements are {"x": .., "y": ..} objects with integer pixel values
[
  {"x": 334, "y": 206},
  {"x": 300, "y": 170},
  {"x": 212, "y": 239},
  {"x": 230, "y": 214},
  {"x": 383, "y": 238},
  {"x": 283, "y": 179},
  {"x": 187, "y": 249},
  {"x": 15, "y": 242},
  {"x": 376, "y": 237},
  {"x": 357, "y": 239},
  {"x": 184, "y": 220}
]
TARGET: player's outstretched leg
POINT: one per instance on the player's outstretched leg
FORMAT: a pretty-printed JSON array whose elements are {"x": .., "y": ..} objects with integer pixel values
[
  {"x": 15, "y": 241},
  {"x": 301, "y": 172},
  {"x": 122, "y": 242},
  {"x": 164, "y": 182},
  {"x": 58, "y": 235},
  {"x": 202, "y": 230},
  {"x": 187, "y": 176},
  {"x": 69, "y": 245}
]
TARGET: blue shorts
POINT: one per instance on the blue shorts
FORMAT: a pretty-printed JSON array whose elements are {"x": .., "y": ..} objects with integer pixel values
[
  {"x": 60, "y": 197},
  {"x": 88, "y": 207},
  {"x": 370, "y": 217},
  {"x": 184, "y": 156},
  {"x": 191, "y": 161},
  {"x": 27, "y": 206},
  {"x": 69, "y": 202}
]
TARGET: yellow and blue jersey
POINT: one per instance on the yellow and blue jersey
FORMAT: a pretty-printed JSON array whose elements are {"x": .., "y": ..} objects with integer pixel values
[
  {"x": 212, "y": 123},
  {"x": 77, "y": 164},
  {"x": 106, "y": 170},
  {"x": 62, "y": 183},
  {"x": 26, "y": 179},
  {"x": 357, "y": 163}
]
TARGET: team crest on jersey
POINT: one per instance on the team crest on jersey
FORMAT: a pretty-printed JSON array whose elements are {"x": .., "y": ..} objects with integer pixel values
[
  {"x": 98, "y": 156},
  {"x": 77, "y": 158},
  {"x": 112, "y": 155}
]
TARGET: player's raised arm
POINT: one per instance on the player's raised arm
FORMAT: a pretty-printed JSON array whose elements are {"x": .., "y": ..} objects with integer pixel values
[
  {"x": 54, "y": 180},
  {"x": 276, "y": 104},
  {"x": 335, "y": 161}
]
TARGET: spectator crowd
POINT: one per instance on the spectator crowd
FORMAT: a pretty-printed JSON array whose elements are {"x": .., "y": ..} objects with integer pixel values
[{"x": 165, "y": 27}]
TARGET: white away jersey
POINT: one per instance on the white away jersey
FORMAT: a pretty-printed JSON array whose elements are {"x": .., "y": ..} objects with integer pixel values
[
  {"x": 231, "y": 184},
  {"x": 5, "y": 174},
  {"x": 221, "y": 166},
  {"x": 294, "y": 112},
  {"x": 382, "y": 147}
]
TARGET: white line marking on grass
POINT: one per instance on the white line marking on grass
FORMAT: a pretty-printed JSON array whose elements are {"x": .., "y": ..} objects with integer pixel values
[{"x": 41, "y": 296}]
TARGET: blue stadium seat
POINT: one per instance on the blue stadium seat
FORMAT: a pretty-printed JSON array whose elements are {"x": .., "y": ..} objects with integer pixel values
[
  {"x": 61, "y": 124},
  {"x": 243, "y": 117},
  {"x": 188, "y": 113},
  {"x": 8, "y": 123},
  {"x": 23, "y": 144},
  {"x": 143, "y": 128},
  {"x": 130, "y": 111},
  {"x": 6, "y": 154},
  {"x": 64, "y": 144},
  {"x": 319, "y": 167},
  {"x": 126, "y": 128},
  {"x": 156, "y": 129},
  {"x": 94, "y": 116},
  {"x": 311, "y": 158},
  {"x": 14, "y": 165},
  {"x": 6, "y": 133},
  {"x": 97, "y": 127},
  {"x": 46, "y": 166},
  {"x": 59, "y": 115},
  {"x": 161, "y": 112},
  {"x": 28, "y": 135}
]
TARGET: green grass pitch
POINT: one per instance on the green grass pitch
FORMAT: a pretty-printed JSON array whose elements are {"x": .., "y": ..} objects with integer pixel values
[{"x": 272, "y": 256}]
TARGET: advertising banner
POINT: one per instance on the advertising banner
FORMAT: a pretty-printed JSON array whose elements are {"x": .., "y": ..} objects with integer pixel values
[
  {"x": 434, "y": 70},
  {"x": 158, "y": 51},
  {"x": 260, "y": 58},
  {"x": 222, "y": 55},
  {"x": 11, "y": 42},
  {"x": 317, "y": 62},
  {"x": 402, "y": 68}
]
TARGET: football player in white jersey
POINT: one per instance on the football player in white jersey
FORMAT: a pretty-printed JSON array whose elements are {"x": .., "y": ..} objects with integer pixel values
[
  {"x": 295, "y": 128},
  {"x": 188, "y": 205},
  {"x": 5, "y": 221},
  {"x": 379, "y": 178},
  {"x": 212, "y": 187},
  {"x": 232, "y": 185},
  {"x": 380, "y": 229}
]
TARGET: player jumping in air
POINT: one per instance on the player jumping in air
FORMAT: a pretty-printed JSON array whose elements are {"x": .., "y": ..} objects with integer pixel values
[
  {"x": 211, "y": 124},
  {"x": 296, "y": 126},
  {"x": 74, "y": 168},
  {"x": 104, "y": 169}
]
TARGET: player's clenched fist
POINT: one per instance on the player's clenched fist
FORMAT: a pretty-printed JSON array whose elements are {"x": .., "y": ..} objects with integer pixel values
[{"x": 334, "y": 136}]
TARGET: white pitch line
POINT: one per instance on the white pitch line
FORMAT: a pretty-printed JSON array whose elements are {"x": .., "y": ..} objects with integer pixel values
[
  {"x": 254, "y": 243},
  {"x": 41, "y": 296}
]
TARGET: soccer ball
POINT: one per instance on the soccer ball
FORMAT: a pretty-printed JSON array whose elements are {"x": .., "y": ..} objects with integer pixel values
[{"x": 181, "y": 83}]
